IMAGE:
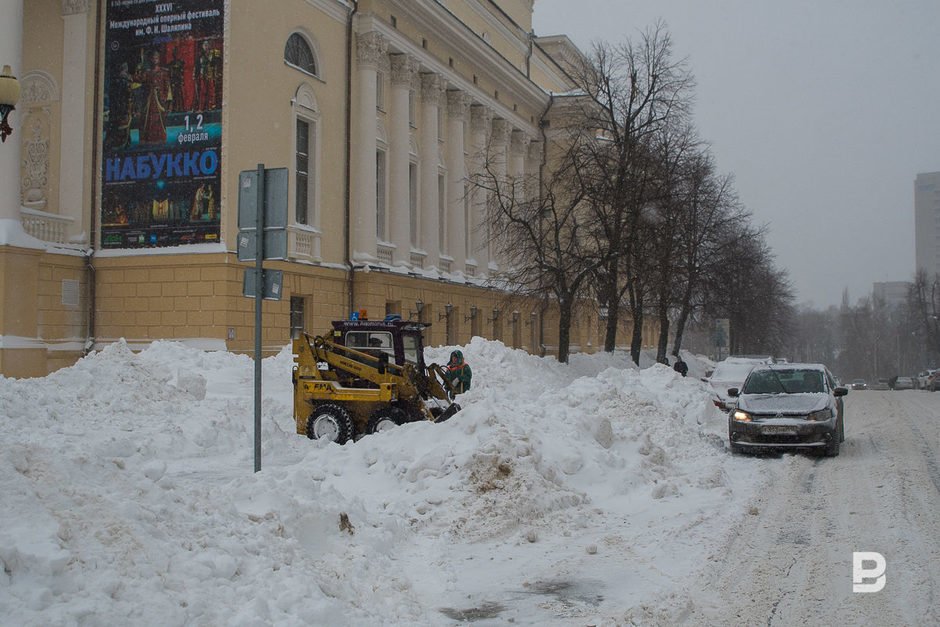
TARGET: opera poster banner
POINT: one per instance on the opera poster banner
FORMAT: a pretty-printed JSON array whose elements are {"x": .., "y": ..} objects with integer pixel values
[{"x": 162, "y": 123}]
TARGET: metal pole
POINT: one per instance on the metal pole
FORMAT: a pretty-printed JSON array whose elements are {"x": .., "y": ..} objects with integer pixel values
[{"x": 259, "y": 292}]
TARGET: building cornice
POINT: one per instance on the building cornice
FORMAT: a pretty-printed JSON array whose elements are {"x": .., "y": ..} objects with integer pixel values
[
  {"x": 441, "y": 22},
  {"x": 338, "y": 10}
]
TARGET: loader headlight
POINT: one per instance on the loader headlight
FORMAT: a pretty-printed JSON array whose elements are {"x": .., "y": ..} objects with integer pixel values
[{"x": 741, "y": 416}]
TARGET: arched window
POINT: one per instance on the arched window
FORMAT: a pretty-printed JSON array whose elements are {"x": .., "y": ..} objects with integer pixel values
[{"x": 298, "y": 53}]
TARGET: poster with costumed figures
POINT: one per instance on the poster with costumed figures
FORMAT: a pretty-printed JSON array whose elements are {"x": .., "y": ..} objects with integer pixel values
[{"x": 162, "y": 123}]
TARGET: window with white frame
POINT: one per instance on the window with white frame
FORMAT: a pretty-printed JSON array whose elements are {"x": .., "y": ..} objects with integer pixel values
[
  {"x": 380, "y": 91},
  {"x": 466, "y": 220},
  {"x": 304, "y": 169},
  {"x": 299, "y": 53},
  {"x": 380, "y": 168},
  {"x": 413, "y": 203},
  {"x": 442, "y": 211}
]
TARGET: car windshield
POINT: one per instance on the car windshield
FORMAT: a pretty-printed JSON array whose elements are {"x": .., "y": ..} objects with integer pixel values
[{"x": 784, "y": 381}]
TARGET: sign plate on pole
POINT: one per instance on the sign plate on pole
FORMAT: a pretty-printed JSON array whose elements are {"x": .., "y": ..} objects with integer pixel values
[
  {"x": 275, "y": 244},
  {"x": 275, "y": 199},
  {"x": 273, "y": 283}
]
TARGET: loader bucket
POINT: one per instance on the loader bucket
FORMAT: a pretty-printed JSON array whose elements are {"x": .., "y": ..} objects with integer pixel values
[{"x": 452, "y": 409}]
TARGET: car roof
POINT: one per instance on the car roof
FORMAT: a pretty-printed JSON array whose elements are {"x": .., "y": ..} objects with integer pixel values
[{"x": 793, "y": 366}]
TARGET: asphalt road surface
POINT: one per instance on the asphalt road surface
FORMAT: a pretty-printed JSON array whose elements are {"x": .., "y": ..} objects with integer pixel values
[{"x": 789, "y": 559}]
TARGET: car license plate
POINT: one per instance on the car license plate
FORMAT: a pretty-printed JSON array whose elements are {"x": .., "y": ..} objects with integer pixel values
[{"x": 778, "y": 430}]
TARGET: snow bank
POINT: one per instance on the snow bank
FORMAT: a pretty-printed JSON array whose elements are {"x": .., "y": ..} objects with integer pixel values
[{"x": 129, "y": 496}]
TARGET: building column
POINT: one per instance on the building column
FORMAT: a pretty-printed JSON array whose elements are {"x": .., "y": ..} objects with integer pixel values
[
  {"x": 430, "y": 157},
  {"x": 72, "y": 178},
  {"x": 499, "y": 154},
  {"x": 404, "y": 70},
  {"x": 371, "y": 48},
  {"x": 11, "y": 53},
  {"x": 480, "y": 121},
  {"x": 457, "y": 223},
  {"x": 533, "y": 164}
]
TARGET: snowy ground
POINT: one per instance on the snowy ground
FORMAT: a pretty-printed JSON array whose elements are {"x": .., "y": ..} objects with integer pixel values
[{"x": 593, "y": 493}]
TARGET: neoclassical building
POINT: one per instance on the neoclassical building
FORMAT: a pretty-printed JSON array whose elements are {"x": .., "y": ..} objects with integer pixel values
[{"x": 120, "y": 185}]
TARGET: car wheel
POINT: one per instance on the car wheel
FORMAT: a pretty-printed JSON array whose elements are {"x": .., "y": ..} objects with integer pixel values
[
  {"x": 833, "y": 449},
  {"x": 841, "y": 431},
  {"x": 736, "y": 449}
]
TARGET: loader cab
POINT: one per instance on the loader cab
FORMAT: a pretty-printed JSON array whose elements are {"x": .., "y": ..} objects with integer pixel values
[{"x": 400, "y": 340}]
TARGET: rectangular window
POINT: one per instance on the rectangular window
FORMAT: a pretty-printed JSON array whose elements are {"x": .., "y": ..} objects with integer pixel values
[
  {"x": 380, "y": 91},
  {"x": 296, "y": 316},
  {"x": 413, "y": 203},
  {"x": 380, "y": 195},
  {"x": 441, "y": 213},
  {"x": 466, "y": 220},
  {"x": 412, "y": 113},
  {"x": 303, "y": 171}
]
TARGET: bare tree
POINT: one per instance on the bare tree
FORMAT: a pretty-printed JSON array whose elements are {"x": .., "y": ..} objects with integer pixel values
[
  {"x": 632, "y": 90},
  {"x": 539, "y": 231}
]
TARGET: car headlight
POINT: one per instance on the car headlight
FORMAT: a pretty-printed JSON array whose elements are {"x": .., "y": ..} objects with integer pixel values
[
  {"x": 820, "y": 416},
  {"x": 741, "y": 416}
]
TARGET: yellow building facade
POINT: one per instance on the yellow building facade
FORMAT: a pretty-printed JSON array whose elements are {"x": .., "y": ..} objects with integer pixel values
[{"x": 119, "y": 187}]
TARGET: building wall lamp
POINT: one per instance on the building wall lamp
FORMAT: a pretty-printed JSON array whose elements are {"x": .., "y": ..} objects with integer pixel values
[
  {"x": 473, "y": 313},
  {"x": 448, "y": 308},
  {"x": 9, "y": 96},
  {"x": 419, "y": 307}
]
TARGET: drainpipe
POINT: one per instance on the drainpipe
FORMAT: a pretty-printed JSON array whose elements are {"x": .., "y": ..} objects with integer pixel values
[
  {"x": 95, "y": 158},
  {"x": 347, "y": 191}
]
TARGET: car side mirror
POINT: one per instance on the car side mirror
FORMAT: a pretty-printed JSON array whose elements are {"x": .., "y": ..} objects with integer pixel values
[
  {"x": 840, "y": 391},
  {"x": 733, "y": 392}
]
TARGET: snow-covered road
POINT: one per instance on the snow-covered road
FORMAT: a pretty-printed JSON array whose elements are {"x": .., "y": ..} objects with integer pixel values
[
  {"x": 789, "y": 561},
  {"x": 588, "y": 494}
]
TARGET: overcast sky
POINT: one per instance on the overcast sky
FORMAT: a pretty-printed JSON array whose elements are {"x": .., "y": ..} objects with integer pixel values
[{"x": 824, "y": 110}]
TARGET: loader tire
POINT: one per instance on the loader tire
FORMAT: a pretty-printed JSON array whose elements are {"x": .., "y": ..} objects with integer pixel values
[
  {"x": 330, "y": 422},
  {"x": 386, "y": 418}
]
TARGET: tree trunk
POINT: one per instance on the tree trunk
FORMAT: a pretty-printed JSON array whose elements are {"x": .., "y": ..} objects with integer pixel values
[
  {"x": 636, "y": 309},
  {"x": 565, "y": 307},
  {"x": 684, "y": 314},
  {"x": 613, "y": 306},
  {"x": 663, "y": 344}
]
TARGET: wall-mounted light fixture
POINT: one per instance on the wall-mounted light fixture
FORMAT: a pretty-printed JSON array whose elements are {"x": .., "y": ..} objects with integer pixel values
[
  {"x": 419, "y": 307},
  {"x": 473, "y": 314},
  {"x": 448, "y": 308},
  {"x": 495, "y": 315},
  {"x": 9, "y": 96}
]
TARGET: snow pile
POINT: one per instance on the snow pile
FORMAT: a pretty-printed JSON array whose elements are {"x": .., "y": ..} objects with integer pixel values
[{"x": 129, "y": 496}]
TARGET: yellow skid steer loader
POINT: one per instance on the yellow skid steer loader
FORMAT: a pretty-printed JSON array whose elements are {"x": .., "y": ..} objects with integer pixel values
[{"x": 367, "y": 376}]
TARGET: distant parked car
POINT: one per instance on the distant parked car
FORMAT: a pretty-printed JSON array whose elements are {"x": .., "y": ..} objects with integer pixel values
[
  {"x": 859, "y": 384},
  {"x": 933, "y": 381},
  {"x": 904, "y": 383},
  {"x": 880, "y": 384},
  {"x": 924, "y": 377},
  {"x": 731, "y": 373}
]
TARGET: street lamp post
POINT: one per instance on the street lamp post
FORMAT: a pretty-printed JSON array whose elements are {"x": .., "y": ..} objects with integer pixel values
[{"x": 9, "y": 96}]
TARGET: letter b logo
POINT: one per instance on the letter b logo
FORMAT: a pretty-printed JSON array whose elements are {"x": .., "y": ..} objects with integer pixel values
[{"x": 860, "y": 573}]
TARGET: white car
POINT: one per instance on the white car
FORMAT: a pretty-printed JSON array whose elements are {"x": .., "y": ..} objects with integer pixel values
[{"x": 731, "y": 373}]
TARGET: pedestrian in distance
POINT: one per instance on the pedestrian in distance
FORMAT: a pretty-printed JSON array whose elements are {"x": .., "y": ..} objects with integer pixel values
[{"x": 681, "y": 367}]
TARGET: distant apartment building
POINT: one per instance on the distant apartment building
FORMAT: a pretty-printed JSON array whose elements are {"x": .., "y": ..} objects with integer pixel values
[
  {"x": 891, "y": 293},
  {"x": 927, "y": 222}
]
